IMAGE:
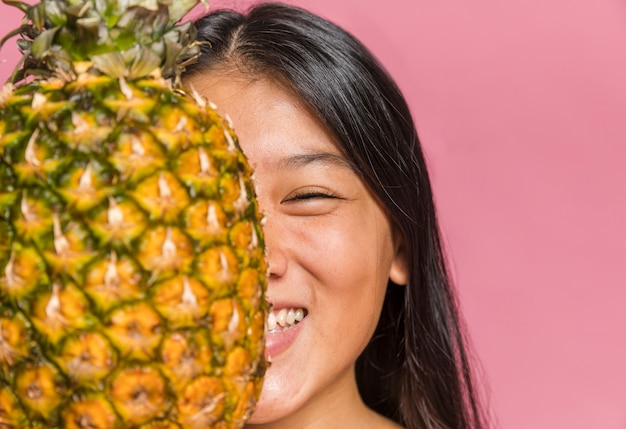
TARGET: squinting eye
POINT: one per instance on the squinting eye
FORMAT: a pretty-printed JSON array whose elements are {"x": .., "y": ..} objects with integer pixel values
[
  {"x": 312, "y": 201},
  {"x": 310, "y": 196}
]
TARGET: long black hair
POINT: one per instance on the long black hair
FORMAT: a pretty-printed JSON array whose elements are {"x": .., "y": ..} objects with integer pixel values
[{"x": 416, "y": 369}]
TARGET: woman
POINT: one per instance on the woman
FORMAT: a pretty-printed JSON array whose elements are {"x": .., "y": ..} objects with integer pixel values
[{"x": 364, "y": 331}]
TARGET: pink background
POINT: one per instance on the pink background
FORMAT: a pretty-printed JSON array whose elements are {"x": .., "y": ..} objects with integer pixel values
[{"x": 521, "y": 107}]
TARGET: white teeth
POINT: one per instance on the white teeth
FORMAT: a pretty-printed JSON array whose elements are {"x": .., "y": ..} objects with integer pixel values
[
  {"x": 284, "y": 319},
  {"x": 281, "y": 317},
  {"x": 271, "y": 322}
]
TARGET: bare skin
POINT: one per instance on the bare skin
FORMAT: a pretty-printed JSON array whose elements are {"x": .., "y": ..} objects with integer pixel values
[{"x": 331, "y": 252}]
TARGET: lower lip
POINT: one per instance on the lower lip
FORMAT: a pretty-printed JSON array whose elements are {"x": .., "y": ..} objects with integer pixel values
[{"x": 277, "y": 343}]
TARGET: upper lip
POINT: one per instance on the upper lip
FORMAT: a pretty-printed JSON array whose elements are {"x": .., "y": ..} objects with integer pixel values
[{"x": 279, "y": 305}]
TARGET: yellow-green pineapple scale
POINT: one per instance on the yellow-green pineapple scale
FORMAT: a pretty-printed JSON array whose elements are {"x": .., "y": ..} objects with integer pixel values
[{"x": 132, "y": 265}]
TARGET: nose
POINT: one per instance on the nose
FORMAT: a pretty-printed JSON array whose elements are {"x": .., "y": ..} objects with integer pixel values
[{"x": 277, "y": 259}]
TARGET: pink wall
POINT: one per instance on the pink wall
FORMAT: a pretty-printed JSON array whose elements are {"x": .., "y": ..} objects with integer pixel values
[{"x": 521, "y": 106}]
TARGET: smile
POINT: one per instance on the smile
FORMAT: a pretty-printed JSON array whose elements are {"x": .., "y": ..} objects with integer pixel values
[{"x": 284, "y": 319}]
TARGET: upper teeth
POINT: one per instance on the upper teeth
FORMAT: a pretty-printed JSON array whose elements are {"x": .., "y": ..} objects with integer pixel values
[{"x": 285, "y": 318}]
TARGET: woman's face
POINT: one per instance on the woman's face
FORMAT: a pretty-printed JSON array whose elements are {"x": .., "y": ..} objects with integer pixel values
[{"x": 330, "y": 247}]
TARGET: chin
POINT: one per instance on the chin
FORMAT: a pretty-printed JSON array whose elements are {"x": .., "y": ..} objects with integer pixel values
[{"x": 271, "y": 411}]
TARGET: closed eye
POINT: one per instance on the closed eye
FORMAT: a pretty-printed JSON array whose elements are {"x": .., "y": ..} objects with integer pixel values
[
  {"x": 310, "y": 196},
  {"x": 311, "y": 202}
]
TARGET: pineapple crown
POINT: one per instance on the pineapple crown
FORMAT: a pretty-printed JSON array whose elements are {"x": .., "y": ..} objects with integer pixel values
[{"x": 121, "y": 38}]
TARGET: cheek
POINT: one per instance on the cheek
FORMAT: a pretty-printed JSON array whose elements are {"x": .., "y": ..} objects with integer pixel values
[
  {"x": 350, "y": 261},
  {"x": 354, "y": 287}
]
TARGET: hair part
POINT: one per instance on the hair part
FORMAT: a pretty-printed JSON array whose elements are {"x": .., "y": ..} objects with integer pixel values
[{"x": 415, "y": 370}]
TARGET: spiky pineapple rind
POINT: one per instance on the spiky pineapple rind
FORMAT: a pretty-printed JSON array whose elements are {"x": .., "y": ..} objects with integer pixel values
[{"x": 116, "y": 190}]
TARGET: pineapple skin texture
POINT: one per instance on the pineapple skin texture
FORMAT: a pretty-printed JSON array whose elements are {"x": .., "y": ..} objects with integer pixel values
[{"x": 132, "y": 265}]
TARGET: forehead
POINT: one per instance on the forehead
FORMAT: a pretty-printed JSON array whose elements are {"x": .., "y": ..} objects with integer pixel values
[
  {"x": 268, "y": 116},
  {"x": 236, "y": 87}
]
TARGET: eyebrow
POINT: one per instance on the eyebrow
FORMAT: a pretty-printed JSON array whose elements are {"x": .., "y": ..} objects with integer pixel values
[{"x": 306, "y": 159}]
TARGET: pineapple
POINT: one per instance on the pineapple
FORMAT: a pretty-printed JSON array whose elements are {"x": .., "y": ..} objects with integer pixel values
[{"x": 132, "y": 264}]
